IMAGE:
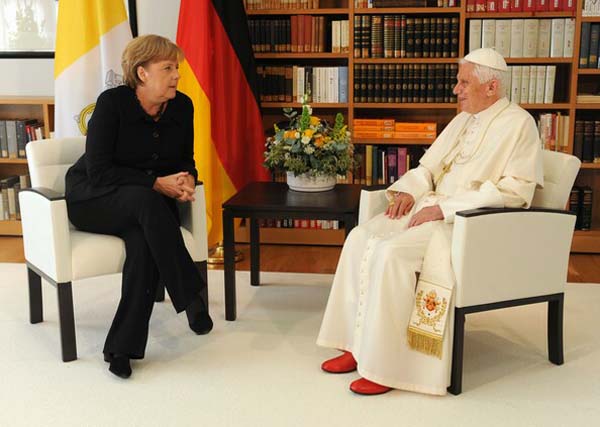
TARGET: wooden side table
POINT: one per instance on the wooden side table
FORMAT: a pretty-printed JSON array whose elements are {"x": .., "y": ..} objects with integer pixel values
[{"x": 260, "y": 200}]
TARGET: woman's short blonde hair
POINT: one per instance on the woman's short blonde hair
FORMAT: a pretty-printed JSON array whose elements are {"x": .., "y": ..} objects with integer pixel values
[{"x": 144, "y": 50}]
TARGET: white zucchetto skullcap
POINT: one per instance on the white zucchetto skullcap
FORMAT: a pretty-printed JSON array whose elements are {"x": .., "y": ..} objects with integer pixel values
[{"x": 487, "y": 57}]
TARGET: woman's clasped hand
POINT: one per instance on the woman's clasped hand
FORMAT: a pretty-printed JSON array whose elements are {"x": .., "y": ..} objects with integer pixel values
[{"x": 179, "y": 186}]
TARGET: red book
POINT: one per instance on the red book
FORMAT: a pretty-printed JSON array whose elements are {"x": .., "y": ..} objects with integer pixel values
[
  {"x": 528, "y": 5},
  {"x": 569, "y": 5},
  {"x": 541, "y": 5},
  {"x": 491, "y": 6},
  {"x": 503, "y": 6},
  {"x": 556, "y": 5},
  {"x": 516, "y": 5},
  {"x": 480, "y": 5},
  {"x": 470, "y": 5}
]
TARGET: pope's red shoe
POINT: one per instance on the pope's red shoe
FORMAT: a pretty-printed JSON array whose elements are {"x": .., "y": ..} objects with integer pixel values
[
  {"x": 341, "y": 364},
  {"x": 364, "y": 386}
]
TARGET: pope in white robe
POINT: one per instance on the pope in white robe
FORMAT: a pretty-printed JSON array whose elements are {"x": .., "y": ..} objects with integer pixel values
[{"x": 489, "y": 155}]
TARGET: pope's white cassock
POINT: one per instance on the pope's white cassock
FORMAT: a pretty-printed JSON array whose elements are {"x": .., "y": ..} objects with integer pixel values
[{"x": 495, "y": 161}]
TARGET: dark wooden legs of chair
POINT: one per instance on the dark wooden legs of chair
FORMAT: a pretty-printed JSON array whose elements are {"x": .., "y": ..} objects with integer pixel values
[
  {"x": 66, "y": 316},
  {"x": 555, "y": 330},
  {"x": 36, "y": 311},
  {"x": 66, "y": 321},
  {"x": 457, "y": 352}
]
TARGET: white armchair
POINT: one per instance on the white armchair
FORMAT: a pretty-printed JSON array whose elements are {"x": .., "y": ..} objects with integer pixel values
[
  {"x": 61, "y": 254},
  {"x": 509, "y": 257}
]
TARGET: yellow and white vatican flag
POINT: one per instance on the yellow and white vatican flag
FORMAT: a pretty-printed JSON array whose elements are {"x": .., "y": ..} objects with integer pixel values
[{"x": 90, "y": 37}]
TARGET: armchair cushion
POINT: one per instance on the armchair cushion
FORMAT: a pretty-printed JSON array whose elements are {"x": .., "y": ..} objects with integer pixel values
[{"x": 507, "y": 254}]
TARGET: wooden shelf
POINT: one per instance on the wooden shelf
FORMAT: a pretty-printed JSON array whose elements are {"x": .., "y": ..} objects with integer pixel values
[
  {"x": 310, "y": 55},
  {"x": 560, "y": 60},
  {"x": 589, "y": 71},
  {"x": 299, "y": 105},
  {"x": 293, "y": 236},
  {"x": 331, "y": 11},
  {"x": 406, "y": 10},
  {"x": 405, "y": 60},
  {"x": 5, "y": 161},
  {"x": 590, "y": 18},
  {"x": 10, "y": 228},
  {"x": 588, "y": 106},
  {"x": 392, "y": 141},
  {"x": 532, "y": 14},
  {"x": 590, "y": 166},
  {"x": 408, "y": 105},
  {"x": 26, "y": 100},
  {"x": 557, "y": 106},
  {"x": 586, "y": 241}
]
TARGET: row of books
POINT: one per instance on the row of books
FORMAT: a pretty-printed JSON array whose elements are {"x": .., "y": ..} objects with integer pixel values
[
  {"x": 404, "y": 83},
  {"x": 586, "y": 143},
  {"x": 299, "y": 33},
  {"x": 9, "y": 196},
  {"x": 281, "y": 4},
  {"x": 532, "y": 84},
  {"x": 589, "y": 52},
  {"x": 504, "y": 6},
  {"x": 580, "y": 202},
  {"x": 591, "y": 8},
  {"x": 289, "y": 83},
  {"x": 402, "y": 36},
  {"x": 524, "y": 38},
  {"x": 389, "y": 128},
  {"x": 405, "y": 3},
  {"x": 554, "y": 131},
  {"x": 319, "y": 224},
  {"x": 15, "y": 134},
  {"x": 384, "y": 164}
]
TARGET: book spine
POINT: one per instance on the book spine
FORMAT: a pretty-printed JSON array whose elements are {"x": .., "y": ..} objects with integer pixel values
[
  {"x": 474, "y": 34},
  {"x": 516, "y": 38},
  {"x": 558, "y": 37}
]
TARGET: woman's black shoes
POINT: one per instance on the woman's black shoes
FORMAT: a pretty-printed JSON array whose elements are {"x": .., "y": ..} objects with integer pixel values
[
  {"x": 198, "y": 317},
  {"x": 119, "y": 365}
]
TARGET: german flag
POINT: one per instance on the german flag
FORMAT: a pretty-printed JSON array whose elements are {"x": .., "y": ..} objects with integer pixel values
[{"x": 219, "y": 75}]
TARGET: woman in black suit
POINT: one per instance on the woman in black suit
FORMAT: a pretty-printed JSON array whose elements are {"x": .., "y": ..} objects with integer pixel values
[{"x": 138, "y": 163}]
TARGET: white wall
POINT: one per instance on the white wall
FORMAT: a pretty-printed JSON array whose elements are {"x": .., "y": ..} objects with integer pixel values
[{"x": 35, "y": 77}]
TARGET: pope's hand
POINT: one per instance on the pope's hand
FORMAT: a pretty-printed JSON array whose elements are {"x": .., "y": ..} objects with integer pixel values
[
  {"x": 400, "y": 206},
  {"x": 430, "y": 213}
]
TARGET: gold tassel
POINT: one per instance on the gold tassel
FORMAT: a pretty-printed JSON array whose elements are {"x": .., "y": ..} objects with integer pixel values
[{"x": 425, "y": 344}]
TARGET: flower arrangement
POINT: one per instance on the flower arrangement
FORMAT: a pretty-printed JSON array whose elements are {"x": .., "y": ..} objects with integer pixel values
[{"x": 309, "y": 145}]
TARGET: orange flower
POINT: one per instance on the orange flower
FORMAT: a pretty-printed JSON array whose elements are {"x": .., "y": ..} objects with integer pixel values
[
  {"x": 314, "y": 121},
  {"x": 319, "y": 142},
  {"x": 309, "y": 133}
]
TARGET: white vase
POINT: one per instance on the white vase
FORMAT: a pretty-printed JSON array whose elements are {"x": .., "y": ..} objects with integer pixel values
[{"x": 309, "y": 183}]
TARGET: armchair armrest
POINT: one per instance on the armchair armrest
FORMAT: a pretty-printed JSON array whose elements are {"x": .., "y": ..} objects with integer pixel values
[
  {"x": 506, "y": 254},
  {"x": 371, "y": 203},
  {"x": 46, "y": 238},
  {"x": 193, "y": 219}
]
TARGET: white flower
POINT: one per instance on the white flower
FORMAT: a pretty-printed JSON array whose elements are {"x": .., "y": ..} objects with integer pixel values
[
  {"x": 309, "y": 109},
  {"x": 297, "y": 135},
  {"x": 305, "y": 139},
  {"x": 309, "y": 149}
]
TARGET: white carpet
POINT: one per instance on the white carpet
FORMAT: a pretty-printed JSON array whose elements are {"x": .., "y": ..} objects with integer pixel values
[{"x": 263, "y": 369}]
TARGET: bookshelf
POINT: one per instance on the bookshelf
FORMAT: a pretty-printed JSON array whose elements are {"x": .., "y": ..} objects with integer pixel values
[
  {"x": 570, "y": 78},
  {"x": 12, "y": 107}
]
